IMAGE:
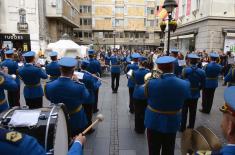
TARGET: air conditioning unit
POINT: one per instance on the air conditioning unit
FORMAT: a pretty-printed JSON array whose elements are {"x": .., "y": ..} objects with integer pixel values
[{"x": 53, "y": 3}]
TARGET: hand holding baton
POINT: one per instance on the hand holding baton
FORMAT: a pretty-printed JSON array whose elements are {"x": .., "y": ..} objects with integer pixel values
[{"x": 99, "y": 118}]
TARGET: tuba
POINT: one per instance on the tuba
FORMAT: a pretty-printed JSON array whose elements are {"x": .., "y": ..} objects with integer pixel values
[{"x": 202, "y": 138}]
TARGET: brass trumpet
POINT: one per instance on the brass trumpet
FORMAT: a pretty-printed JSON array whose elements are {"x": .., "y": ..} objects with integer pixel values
[{"x": 156, "y": 73}]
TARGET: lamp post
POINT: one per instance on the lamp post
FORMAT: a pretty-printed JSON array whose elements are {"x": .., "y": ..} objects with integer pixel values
[
  {"x": 169, "y": 5},
  {"x": 114, "y": 39}
]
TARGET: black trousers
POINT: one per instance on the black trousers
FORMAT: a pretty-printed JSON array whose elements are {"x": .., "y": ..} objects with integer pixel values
[
  {"x": 131, "y": 102},
  {"x": 115, "y": 77},
  {"x": 191, "y": 106},
  {"x": 140, "y": 106},
  {"x": 88, "y": 108},
  {"x": 207, "y": 99},
  {"x": 34, "y": 103},
  {"x": 161, "y": 143},
  {"x": 95, "y": 106},
  {"x": 13, "y": 98}
]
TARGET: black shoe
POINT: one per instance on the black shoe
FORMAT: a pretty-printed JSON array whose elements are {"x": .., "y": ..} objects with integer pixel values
[
  {"x": 203, "y": 111},
  {"x": 139, "y": 131},
  {"x": 95, "y": 111},
  {"x": 182, "y": 129}
]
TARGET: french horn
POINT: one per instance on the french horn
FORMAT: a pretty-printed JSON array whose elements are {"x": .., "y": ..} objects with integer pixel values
[{"x": 156, "y": 73}]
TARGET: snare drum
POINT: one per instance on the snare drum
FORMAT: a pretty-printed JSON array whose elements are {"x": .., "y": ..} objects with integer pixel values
[{"x": 52, "y": 129}]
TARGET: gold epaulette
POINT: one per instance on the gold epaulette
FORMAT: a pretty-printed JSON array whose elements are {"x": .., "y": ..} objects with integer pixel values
[
  {"x": 13, "y": 136},
  {"x": 2, "y": 79},
  {"x": 203, "y": 153}
]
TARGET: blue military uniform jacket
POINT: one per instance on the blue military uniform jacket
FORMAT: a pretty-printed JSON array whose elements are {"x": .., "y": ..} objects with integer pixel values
[
  {"x": 177, "y": 68},
  {"x": 23, "y": 144},
  {"x": 6, "y": 83},
  {"x": 73, "y": 95},
  {"x": 94, "y": 66},
  {"x": 134, "y": 66},
  {"x": 138, "y": 78},
  {"x": 12, "y": 68},
  {"x": 115, "y": 64},
  {"x": 226, "y": 150},
  {"x": 53, "y": 69},
  {"x": 165, "y": 99},
  {"x": 19, "y": 145},
  {"x": 212, "y": 70},
  {"x": 230, "y": 77},
  {"x": 91, "y": 84},
  {"x": 196, "y": 77},
  {"x": 31, "y": 76}
]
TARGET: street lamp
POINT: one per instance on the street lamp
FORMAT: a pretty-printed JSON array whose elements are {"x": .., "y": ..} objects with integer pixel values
[
  {"x": 114, "y": 35},
  {"x": 169, "y": 5}
]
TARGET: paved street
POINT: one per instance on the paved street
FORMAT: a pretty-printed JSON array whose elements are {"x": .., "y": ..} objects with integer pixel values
[{"x": 116, "y": 136}]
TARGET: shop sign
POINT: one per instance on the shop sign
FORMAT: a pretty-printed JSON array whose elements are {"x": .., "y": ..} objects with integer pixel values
[
  {"x": 22, "y": 26},
  {"x": 6, "y": 36}
]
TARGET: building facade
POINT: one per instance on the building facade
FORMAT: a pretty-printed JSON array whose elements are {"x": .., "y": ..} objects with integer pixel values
[
  {"x": 32, "y": 24},
  {"x": 205, "y": 25},
  {"x": 129, "y": 24},
  {"x": 19, "y": 24}
]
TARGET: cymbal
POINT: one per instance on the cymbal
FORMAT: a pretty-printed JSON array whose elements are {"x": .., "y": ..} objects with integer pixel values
[
  {"x": 193, "y": 140},
  {"x": 211, "y": 138}
]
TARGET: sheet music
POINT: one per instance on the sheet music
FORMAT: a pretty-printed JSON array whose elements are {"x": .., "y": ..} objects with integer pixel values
[
  {"x": 22, "y": 118},
  {"x": 182, "y": 62},
  {"x": 204, "y": 63},
  {"x": 79, "y": 75},
  {"x": 41, "y": 61},
  {"x": 20, "y": 64},
  {"x": 129, "y": 73}
]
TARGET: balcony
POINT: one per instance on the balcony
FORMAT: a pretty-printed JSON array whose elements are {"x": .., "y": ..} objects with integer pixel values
[{"x": 65, "y": 10}]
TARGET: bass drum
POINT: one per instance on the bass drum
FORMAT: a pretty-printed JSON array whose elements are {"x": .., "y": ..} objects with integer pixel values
[{"x": 52, "y": 130}]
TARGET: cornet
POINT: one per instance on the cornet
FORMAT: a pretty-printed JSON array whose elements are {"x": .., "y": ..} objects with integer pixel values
[{"x": 156, "y": 73}]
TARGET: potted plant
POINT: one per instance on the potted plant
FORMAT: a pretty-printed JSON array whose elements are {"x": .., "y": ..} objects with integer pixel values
[
  {"x": 172, "y": 25},
  {"x": 163, "y": 26}
]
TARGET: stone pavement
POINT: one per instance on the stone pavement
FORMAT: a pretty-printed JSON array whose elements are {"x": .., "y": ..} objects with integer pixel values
[{"x": 116, "y": 136}]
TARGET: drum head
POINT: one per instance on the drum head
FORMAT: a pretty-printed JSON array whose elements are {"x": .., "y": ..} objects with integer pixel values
[{"x": 61, "y": 140}]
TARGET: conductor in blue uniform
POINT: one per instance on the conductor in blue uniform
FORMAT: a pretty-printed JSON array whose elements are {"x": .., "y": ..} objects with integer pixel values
[
  {"x": 15, "y": 143},
  {"x": 213, "y": 71},
  {"x": 197, "y": 78},
  {"x": 227, "y": 124},
  {"x": 13, "y": 95},
  {"x": 131, "y": 84},
  {"x": 71, "y": 93},
  {"x": 115, "y": 61},
  {"x": 166, "y": 96},
  {"x": 31, "y": 75},
  {"x": 53, "y": 68}
]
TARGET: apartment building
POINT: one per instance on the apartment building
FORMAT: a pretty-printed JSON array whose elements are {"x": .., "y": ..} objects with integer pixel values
[
  {"x": 205, "y": 24},
  {"x": 128, "y": 24}
]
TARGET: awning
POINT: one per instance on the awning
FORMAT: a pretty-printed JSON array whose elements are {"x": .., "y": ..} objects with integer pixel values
[
  {"x": 230, "y": 34},
  {"x": 186, "y": 36}
]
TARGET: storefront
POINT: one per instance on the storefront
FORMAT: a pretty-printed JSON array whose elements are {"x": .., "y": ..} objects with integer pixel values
[
  {"x": 18, "y": 41},
  {"x": 229, "y": 41}
]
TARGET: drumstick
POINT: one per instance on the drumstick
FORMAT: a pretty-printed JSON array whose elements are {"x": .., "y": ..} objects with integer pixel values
[{"x": 99, "y": 118}]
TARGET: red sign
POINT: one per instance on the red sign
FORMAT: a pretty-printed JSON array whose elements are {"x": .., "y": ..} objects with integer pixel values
[{"x": 188, "y": 7}]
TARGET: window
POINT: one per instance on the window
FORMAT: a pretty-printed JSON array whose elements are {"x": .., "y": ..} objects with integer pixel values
[
  {"x": 197, "y": 4},
  {"x": 183, "y": 7},
  {"x": 85, "y": 9},
  {"x": 150, "y": 23},
  {"x": 121, "y": 34},
  {"x": 86, "y": 34},
  {"x": 119, "y": 10},
  {"x": 119, "y": 22},
  {"x": 108, "y": 34},
  {"x": 80, "y": 34},
  {"x": 147, "y": 35},
  {"x": 85, "y": 21},
  {"x": 150, "y": 11},
  {"x": 126, "y": 34}
]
